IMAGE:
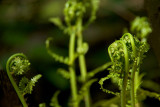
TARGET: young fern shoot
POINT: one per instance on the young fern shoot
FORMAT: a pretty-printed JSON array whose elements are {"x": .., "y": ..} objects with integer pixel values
[
  {"x": 74, "y": 13},
  {"x": 141, "y": 28},
  {"x": 18, "y": 64},
  {"x": 126, "y": 55}
]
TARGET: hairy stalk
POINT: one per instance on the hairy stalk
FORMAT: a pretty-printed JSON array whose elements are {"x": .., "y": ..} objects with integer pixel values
[
  {"x": 133, "y": 71},
  {"x": 82, "y": 62},
  {"x": 72, "y": 69},
  {"x": 8, "y": 68},
  {"x": 124, "y": 82},
  {"x": 133, "y": 84}
]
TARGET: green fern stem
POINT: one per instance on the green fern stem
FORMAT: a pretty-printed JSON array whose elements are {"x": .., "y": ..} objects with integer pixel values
[
  {"x": 8, "y": 68},
  {"x": 82, "y": 63},
  {"x": 72, "y": 69},
  {"x": 133, "y": 84},
  {"x": 125, "y": 76},
  {"x": 132, "y": 92}
]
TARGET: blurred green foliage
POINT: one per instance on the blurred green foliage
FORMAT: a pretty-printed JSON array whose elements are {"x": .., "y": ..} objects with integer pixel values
[{"x": 24, "y": 27}]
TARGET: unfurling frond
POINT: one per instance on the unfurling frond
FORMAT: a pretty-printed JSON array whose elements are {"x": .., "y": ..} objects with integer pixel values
[
  {"x": 135, "y": 50},
  {"x": 64, "y": 73},
  {"x": 94, "y": 4},
  {"x": 126, "y": 55},
  {"x": 72, "y": 11},
  {"x": 57, "y": 57},
  {"x": 18, "y": 64},
  {"x": 111, "y": 75},
  {"x": 26, "y": 85},
  {"x": 54, "y": 100},
  {"x": 140, "y": 27}
]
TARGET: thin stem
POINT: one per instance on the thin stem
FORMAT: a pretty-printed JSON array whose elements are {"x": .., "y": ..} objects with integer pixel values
[
  {"x": 124, "y": 82},
  {"x": 133, "y": 84},
  {"x": 13, "y": 81},
  {"x": 72, "y": 69},
  {"x": 107, "y": 102},
  {"x": 98, "y": 69},
  {"x": 123, "y": 92},
  {"x": 82, "y": 62},
  {"x": 133, "y": 90}
]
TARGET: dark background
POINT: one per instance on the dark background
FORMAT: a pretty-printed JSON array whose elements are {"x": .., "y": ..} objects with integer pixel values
[{"x": 24, "y": 27}]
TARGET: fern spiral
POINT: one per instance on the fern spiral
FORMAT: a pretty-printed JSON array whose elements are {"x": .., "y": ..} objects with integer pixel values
[
  {"x": 18, "y": 64},
  {"x": 126, "y": 55}
]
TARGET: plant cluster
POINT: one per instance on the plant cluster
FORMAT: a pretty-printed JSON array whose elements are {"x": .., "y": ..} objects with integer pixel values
[
  {"x": 126, "y": 56},
  {"x": 74, "y": 25}
]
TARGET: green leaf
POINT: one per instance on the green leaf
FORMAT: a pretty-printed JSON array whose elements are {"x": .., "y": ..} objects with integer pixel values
[
  {"x": 64, "y": 73},
  {"x": 26, "y": 86},
  {"x": 42, "y": 105},
  {"x": 57, "y": 21},
  {"x": 20, "y": 65},
  {"x": 54, "y": 100},
  {"x": 111, "y": 75},
  {"x": 23, "y": 83},
  {"x": 57, "y": 57}
]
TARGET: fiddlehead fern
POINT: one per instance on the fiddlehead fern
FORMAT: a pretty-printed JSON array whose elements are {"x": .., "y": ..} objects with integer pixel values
[
  {"x": 11, "y": 66},
  {"x": 141, "y": 27},
  {"x": 120, "y": 61},
  {"x": 18, "y": 64},
  {"x": 126, "y": 55}
]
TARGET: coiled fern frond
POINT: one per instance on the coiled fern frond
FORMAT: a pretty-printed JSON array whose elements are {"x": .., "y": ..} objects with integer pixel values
[
  {"x": 18, "y": 64},
  {"x": 141, "y": 27},
  {"x": 126, "y": 55}
]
